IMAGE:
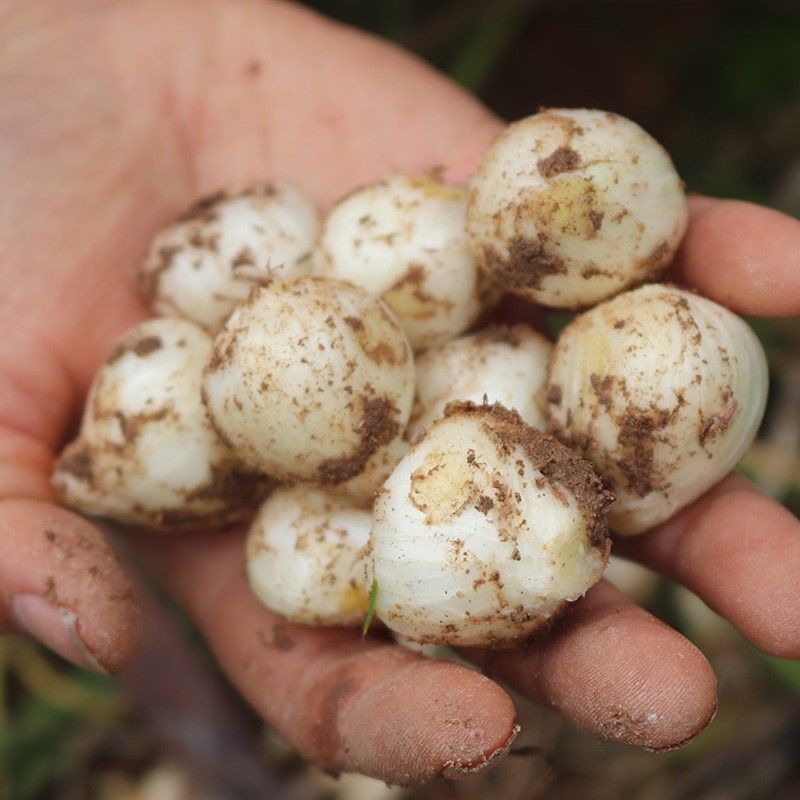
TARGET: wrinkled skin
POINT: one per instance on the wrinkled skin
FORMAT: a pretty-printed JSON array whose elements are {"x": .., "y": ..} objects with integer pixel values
[{"x": 114, "y": 116}]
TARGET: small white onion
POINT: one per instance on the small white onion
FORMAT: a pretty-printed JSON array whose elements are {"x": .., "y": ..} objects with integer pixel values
[
  {"x": 307, "y": 556},
  {"x": 312, "y": 380},
  {"x": 206, "y": 262},
  {"x": 571, "y": 206},
  {"x": 146, "y": 453},
  {"x": 663, "y": 391},
  {"x": 501, "y": 364},
  {"x": 403, "y": 240},
  {"x": 485, "y": 531}
]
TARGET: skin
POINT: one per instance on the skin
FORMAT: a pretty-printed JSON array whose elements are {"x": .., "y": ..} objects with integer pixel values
[{"x": 99, "y": 147}]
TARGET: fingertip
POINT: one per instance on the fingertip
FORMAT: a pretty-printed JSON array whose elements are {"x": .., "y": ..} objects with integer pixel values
[
  {"x": 744, "y": 256},
  {"x": 436, "y": 718},
  {"x": 698, "y": 203},
  {"x": 739, "y": 550},
  {"x": 751, "y": 546},
  {"x": 653, "y": 688},
  {"x": 616, "y": 671},
  {"x": 683, "y": 699},
  {"x": 781, "y": 641},
  {"x": 62, "y": 584}
]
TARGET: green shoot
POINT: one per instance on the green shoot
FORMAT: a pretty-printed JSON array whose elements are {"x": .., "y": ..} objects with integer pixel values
[{"x": 373, "y": 602}]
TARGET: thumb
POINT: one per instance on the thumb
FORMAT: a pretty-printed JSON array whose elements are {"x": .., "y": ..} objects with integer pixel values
[
  {"x": 59, "y": 580},
  {"x": 61, "y": 584}
]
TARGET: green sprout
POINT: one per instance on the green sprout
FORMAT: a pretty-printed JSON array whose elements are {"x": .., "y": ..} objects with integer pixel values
[{"x": 373, "y": 602}]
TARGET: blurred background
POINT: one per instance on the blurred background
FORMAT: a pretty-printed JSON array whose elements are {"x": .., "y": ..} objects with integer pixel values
[{"x": 719, "y": 84}]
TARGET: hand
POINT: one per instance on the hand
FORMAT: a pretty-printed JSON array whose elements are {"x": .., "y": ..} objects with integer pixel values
[{"x": 115, "y": 115}]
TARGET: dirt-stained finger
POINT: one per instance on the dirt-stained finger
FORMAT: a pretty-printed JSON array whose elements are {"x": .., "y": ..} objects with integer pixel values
[
  {"x": 61, "y": 583},
  {"x": 349, "y": 704},
  {"x": 616, "y": 671}
]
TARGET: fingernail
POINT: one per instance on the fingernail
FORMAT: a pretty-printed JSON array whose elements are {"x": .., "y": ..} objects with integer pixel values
[{"x": 56, "y": 628}]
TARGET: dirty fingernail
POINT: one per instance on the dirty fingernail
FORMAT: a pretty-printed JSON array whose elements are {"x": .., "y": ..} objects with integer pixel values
[{"x": 54, "y": 627}]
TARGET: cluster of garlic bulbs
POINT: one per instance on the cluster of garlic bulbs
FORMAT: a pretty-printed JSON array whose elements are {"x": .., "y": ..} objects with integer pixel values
[{"x": 327, "y": 381}]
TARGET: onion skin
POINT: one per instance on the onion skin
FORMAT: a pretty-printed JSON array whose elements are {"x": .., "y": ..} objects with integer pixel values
[
  {"x": 146, "y": 453},
  {"x": 312, "y": 381},
  {"x": 663, "y": 391},
  {"x": 205, "y": 263},
  {"x": 403, "y": 239},
  {"x": 571, "y": 206},
  {"x": 485, "y": 531}
]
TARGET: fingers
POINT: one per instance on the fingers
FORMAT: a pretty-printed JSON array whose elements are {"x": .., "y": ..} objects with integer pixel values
[
  {"x": 350, "y": 705},
  {"x": 609, "y": 667},
  {"x": 61, "y": 584},
  {"x": 744, "y": 256},
  {"x": 739, "y": 550},
  {"x": 616, "y": 671}
]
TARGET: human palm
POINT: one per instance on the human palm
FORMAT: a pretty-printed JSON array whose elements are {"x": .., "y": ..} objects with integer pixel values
[{"x": 115, "y": 115}]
